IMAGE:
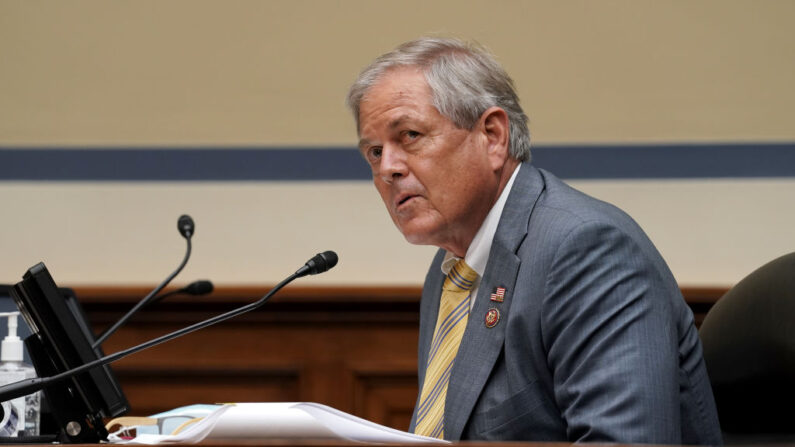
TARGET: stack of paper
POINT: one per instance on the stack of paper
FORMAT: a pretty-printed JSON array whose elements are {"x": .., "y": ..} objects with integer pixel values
[{"x": 267, "y": 421}]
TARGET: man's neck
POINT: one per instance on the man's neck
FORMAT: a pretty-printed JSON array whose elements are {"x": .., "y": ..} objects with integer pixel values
[
  {"x": 477, "y": 251},
  {"x": 460, "y": 247}
]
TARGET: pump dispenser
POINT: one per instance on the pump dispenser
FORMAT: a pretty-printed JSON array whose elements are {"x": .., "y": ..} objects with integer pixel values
[
  {"x": 22, "y": 414},
  {"x": 11, "y": 348}
]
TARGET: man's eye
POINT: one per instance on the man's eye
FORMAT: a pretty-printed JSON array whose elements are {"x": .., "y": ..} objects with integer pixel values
[
  {"x": 411, "y": 134},
  {"x": 374, "y": 153}
]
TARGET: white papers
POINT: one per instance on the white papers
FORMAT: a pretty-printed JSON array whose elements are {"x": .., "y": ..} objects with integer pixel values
[
  {"x": 305, "y": 420},
  {"x": 192, "y": 434}
]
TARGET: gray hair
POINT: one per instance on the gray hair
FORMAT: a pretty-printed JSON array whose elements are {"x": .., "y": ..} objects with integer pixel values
[{"x": 464, "y": 79}]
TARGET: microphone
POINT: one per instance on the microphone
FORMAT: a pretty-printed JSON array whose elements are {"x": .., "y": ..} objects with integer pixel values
[
  {"x": 318, "y": 264},
  {"x": 186, "y": 228},
  {"x": 196, "y": 288}
]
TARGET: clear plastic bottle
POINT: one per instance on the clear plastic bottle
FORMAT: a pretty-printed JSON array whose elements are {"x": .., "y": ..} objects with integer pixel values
[{"x": 21, "y": 415}]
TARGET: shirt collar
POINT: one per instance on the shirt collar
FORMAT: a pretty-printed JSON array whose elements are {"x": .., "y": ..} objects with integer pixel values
[{"x": 478, "y": 252}]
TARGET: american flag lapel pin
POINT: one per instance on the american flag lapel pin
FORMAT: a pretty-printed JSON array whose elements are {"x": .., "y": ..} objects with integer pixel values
[{"x": 498, "y": 295}]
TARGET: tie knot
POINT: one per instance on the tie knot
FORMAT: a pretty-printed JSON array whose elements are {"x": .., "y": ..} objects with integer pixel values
[{"x": 460, "y": 277}]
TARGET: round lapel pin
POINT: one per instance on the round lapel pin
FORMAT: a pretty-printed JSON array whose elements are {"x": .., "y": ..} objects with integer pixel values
[{"x": 492, "y": 318}]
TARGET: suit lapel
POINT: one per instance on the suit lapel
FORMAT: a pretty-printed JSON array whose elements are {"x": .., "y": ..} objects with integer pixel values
[
  {"x": 429, "y": 309},
  {"x": 481, "y": 345}
]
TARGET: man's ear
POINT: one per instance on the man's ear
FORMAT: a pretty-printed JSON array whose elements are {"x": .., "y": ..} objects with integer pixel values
[{"x": 496, "y": 130}]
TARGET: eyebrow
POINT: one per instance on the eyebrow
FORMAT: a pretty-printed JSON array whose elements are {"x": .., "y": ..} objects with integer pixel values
[
  {"x": 363, "y": 142},
  {"x": 398, "y": 121},
  {"x": 392, "y": 124}
]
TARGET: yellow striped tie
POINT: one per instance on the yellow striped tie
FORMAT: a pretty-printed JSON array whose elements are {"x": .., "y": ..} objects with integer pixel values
[{"x": 450, "y": 325}]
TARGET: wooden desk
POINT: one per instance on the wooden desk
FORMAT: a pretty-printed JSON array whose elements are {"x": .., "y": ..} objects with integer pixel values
[{"x": 338, "y": 443}]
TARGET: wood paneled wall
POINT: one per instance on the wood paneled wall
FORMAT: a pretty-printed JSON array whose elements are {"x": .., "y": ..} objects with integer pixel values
[{"x": 353, "y": 348}]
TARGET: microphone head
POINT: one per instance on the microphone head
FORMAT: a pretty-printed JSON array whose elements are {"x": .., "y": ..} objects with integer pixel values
[
  {"x": 185, "y": 226},
  {"x": 320, "y": 263},
  {"x": 201, "y": 287}
]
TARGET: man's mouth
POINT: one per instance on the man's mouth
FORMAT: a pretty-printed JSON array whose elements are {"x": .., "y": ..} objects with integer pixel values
[{"x": 405, "y": 199}]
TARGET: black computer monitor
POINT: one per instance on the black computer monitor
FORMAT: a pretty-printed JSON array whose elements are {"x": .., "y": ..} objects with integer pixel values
[{"x": 61, "y": 339}]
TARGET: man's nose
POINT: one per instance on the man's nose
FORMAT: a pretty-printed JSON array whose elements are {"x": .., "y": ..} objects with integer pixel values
[{"x": 393, "y": 163}]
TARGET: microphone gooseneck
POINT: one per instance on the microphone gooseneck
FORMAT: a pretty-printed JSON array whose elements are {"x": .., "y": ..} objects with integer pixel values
[
  {"x": 27, "y": 386},
  {"x": 186, "y": 228}
]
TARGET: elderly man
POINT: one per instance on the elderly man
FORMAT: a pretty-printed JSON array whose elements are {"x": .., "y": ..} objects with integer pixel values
[{"x": 546, "y": 314}]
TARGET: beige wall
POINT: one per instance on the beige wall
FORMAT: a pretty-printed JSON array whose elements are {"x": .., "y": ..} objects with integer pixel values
[{"x": 271, "y": 73}]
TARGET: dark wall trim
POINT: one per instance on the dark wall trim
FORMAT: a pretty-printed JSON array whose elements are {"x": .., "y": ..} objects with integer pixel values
[
  {"x": 669, "y": 161},
  {"x": 636, "y": 161},
  {"x": 182, "y": 164}
]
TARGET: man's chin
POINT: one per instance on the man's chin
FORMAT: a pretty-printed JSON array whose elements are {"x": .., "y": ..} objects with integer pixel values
[
  {"x": 419, "y": 230},
  {"x": 417, "y": 237}
]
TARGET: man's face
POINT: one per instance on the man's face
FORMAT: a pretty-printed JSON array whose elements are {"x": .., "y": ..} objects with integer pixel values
[{"x": 437, "y": 180}]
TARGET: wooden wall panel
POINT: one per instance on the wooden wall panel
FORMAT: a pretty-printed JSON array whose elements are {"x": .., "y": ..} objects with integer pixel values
[
  {"x": 388, "y": 398},
  {"x": 353, "y": 348},
  {"x": 153, "y": 390}
]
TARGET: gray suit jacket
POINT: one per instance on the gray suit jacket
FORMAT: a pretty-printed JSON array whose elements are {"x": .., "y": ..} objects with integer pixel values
[{"x": 595, "y": 342}]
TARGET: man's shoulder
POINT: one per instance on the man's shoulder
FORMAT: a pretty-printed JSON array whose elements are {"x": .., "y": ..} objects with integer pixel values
[
  {"x": 554, "y": 199},
  {"x": 565, "y": 218}
]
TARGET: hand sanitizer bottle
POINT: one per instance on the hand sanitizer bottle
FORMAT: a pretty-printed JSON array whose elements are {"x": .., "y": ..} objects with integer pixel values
[{"x": 21, "y": 415}]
